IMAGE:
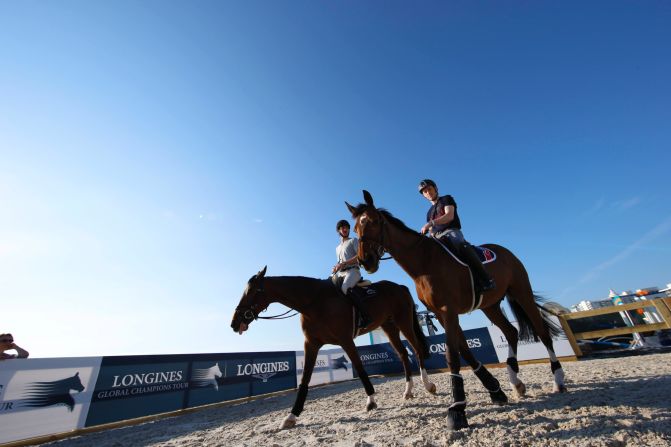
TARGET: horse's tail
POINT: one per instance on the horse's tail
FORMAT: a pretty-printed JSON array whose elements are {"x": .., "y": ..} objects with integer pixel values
[
  {"x": 527, "y": 332},
  {"x": 421, "y": 338}
]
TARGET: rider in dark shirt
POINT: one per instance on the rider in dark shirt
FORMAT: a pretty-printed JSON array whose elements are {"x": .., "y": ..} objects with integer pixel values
[{"x": 442, "y": 222}]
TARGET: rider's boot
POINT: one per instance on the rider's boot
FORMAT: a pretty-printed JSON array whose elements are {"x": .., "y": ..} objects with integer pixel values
[
  {"x": 357, "y": 296},
  {"x": 483, "y": 281}
]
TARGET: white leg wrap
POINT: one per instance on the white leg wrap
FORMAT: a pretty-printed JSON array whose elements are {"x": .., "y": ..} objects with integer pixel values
[
  {"x": 553, "y": 357},
  {"x": 371, "y": 400},
  {"x": 289, "y": 421},
  {"x": 559, "y": 376},
  {"x": 408, "y": 390},
  {"x": 512, "y": 376}
]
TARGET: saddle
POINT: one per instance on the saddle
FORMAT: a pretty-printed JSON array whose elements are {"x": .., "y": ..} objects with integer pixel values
[{"x": 365, "y": 284}]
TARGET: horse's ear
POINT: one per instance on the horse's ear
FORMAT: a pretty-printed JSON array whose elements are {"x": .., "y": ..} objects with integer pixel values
[
  {"x": 350, "y": 208},
  {"x": 77, "y": 375},
  {"x": 262, "y": 272},
  {"x": 368, "y": 198}
]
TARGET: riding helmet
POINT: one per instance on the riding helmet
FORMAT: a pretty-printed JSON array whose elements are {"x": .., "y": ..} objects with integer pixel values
[
  {"x": 424, "y": 183},
  {"x": 342, "y": 223}
]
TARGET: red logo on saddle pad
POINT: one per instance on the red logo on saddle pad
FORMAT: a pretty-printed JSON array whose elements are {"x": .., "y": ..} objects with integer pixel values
[{"x": 486, "y": 255}]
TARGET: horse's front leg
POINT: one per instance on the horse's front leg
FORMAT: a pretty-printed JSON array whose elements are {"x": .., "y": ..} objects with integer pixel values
[
  {"x": 311, "y": 351},
  {"x": 350, "y": 350},
  {"x": 490, "y": 382},
  {"x": 456, "y": 413}
]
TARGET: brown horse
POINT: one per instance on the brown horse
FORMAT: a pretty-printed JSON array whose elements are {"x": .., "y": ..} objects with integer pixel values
[
  {"x": 327, "y": 318},
  {"x": 445, "y": 286}
]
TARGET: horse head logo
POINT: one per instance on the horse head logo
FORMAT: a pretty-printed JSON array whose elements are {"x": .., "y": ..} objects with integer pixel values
[
  {"x": 202, "y": 378},
  {"x": 45, "y": 394},
  {"x": 340, "y": 362}
]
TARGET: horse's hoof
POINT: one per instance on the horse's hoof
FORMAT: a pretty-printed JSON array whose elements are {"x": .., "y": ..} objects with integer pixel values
[
  {"x": 371, "y": 406},
  {"x": 407, "y": 396},
  {"x": 456, "y": 419},
  {"x": 556, "y": 388},
  {"x": 289, "y": 422},
  {"x": 520, "y": 389},
  {"x": 432, "y": 389},
  {"x": 498, "y": 397}
]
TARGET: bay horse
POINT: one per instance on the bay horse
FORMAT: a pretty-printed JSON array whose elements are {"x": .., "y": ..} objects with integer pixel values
[
  {"x": 445, "y": 286},
  {"x": 327, "y": 318}
]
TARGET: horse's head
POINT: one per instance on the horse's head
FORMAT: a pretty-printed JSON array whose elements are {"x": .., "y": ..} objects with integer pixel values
[
  {"x": 76, "y": 383},
  {"x": 253, "y": 301},
  {"x": 216, "y": 370},
  {"x": 369, "y": 227}
]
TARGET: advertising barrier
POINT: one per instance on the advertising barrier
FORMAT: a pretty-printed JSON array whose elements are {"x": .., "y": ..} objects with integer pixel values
[{"x": 48, "y": 396}]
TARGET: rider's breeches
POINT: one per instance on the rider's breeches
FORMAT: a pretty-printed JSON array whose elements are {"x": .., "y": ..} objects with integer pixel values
[{"x": 351, "y": 277}]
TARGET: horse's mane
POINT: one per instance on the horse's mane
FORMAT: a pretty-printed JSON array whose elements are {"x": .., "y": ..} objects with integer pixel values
[{"x": 362, "y": 207}]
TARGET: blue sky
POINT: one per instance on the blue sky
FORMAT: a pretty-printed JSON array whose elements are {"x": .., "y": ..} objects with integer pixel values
[{"x": 154, "y": 155}]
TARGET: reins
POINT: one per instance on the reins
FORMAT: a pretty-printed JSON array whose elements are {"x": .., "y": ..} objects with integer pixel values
[{"x": 279, "y": 316}]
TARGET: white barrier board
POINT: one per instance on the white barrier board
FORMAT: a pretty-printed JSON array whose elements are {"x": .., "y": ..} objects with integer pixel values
[
  {"x": 56, "y": 393},
  {"x": 332, "y": 365},
  {"x": 529, "y": 350}
]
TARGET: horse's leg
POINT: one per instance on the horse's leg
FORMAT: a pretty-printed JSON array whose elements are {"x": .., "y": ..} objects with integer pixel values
[
  {"x": 413, "y": 333},
  {"x": 350, "y": 350},
  {"x": 311, "y": 351},
  {"x": 456, "y": 413},
  {"x": 392, "y": 330},
  {"x": 496, "y": 316},
  {"x": 490, "y": 382},
  {"x": 522, "y": 296}
]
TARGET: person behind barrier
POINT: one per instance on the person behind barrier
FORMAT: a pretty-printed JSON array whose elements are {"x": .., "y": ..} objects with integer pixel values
[
  {"x": 347, "y": 270},
  {"x": 443, "y": 223},
  {"x": 7, "y": 344}
]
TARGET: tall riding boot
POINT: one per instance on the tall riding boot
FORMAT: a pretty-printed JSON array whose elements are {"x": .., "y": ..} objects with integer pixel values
[
  {"x": 483, "y": 281},
  {"x": 357, "y": 296}
]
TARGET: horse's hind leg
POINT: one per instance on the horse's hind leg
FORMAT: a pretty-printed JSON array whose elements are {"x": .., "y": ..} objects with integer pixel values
[
  {"x": 490, "y": 382},
  {"x": 391, "y": 330},
  {"x": 497, "y": 317},
  {"x": 350, "y": 350},
  {"x": 523, "y": 303},
  {"x": 311, "y": 351},
  {"x": 413, "y": 332}
]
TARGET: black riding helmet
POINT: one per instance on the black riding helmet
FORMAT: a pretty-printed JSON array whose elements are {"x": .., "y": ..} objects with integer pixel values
[
  {"x": 424, "y": 183},
  {"x": 342, "y": 223}
]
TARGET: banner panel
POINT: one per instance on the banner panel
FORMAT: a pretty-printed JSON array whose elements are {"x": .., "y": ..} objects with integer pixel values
[
  {"x": 135, "y": 386},
  {"x": 332, "y": 365},
  {"x": 45, "y": 396},
  {"x": 220, "y": 377},
  {"x": 479, "y": 341},
  {"x": 379, "y": 359},
  {"x": 529, "y": 350}
]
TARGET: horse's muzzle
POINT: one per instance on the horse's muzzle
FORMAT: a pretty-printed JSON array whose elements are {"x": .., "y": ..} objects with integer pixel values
[{"x": 242, "y": 328}]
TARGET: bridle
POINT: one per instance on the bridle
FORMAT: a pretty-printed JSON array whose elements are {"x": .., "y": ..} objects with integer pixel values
[
  {"x": 251, "y": 312},
  {"x": 378, "y": 246}
]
